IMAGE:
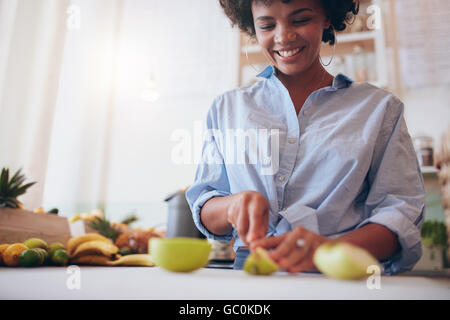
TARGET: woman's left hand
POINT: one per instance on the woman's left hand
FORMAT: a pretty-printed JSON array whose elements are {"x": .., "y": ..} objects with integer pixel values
[{"x": 288, "y": 254}]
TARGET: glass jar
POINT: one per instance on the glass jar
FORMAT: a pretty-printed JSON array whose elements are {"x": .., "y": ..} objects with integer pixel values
[{"x": 424, "y": 150}]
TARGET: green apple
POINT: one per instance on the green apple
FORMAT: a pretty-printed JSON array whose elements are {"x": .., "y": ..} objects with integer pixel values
[
  {"x": 33, "y": 243},
  {"x": 55, "y": 246},
  {"x": 260, "y": 263},
  {"x": 343, "y": 261},
  {"x": 179, "y": 254}
]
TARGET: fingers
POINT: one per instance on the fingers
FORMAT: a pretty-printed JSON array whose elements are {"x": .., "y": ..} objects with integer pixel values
[
  {"x": 249, "y": 215},
  {"x": 305, "y": 264},
  {"x": 258, "y": 219},
  {"x": 267, "y": 243},
  {"x": 288, "y": 245},
  {"x": 243, "y": 225},
  {"x": 293, "y": 258},
  {"x": 301, "y": 257}
]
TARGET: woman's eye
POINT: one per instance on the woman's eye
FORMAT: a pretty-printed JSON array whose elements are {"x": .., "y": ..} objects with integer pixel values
[
  {"x": 267, "y": 27},
  {"x": 300, "y": 21}
]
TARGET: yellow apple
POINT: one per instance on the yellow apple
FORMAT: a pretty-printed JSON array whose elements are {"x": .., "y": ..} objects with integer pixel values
[
  {"x": 179, "y": 254},
  {"x": 259, "y": 263},
  {"x": 343, "y": 261}
]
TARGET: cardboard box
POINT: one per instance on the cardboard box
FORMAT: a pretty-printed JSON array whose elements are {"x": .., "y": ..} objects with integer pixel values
[{"x": 17, "y": 225}]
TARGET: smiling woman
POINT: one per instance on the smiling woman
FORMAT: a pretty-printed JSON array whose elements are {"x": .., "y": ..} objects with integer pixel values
[
  {"x": 346, "y": 168},
  {"x": 290, "y": 33}
]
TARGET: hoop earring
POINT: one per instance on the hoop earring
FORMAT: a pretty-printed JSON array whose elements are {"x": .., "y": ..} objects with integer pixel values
[
  {"x": 334, "y": 52},
  {"x": 248, "y": 60}
]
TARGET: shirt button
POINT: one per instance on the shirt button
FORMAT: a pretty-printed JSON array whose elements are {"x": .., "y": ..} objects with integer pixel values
[
  {"x": 281, "y": 178},
  {"x": 292, "y": 141}
]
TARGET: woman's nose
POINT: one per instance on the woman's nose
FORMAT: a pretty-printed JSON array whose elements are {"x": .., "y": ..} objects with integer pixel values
[{"x": 285, "y": 35}]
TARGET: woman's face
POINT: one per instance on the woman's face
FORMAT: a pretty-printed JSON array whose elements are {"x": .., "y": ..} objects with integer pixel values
[{"x": 290, "y": 34}]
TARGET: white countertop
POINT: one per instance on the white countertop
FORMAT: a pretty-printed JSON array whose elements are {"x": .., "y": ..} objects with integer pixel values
[{"x": 205, "y": 284}]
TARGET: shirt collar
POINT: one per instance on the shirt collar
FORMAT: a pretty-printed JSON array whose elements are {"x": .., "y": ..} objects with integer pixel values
[{"x": 339, "y": 82}]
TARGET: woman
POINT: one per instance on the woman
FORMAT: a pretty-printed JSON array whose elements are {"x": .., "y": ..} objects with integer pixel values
[{"x": 345, "y": 169}]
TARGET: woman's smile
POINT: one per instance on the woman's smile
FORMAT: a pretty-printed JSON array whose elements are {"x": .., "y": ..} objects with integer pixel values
[{"x": 289, "y": 55}]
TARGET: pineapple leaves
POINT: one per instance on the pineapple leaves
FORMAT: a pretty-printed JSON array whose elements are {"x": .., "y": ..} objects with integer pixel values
[
  {"x": 104, "y": 227},
  {"x": 17, "y": 178},
  {"x": 11, "y": 189},
  {"x": 24, "y": 188},
  {"x": 4, "y": 180}
]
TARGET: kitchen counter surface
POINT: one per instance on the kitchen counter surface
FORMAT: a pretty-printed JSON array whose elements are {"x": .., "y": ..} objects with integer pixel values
[{"x": 205, "y": 284}]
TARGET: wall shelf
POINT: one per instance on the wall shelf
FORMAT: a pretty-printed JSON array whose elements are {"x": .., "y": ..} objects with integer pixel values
[{"x": 356, "y": 36}]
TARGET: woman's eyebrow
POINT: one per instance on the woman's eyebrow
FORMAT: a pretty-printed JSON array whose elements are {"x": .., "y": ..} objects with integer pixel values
[{"x": 291, "y": 14}]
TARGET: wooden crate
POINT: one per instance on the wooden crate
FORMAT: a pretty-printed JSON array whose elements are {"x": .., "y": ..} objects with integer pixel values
[{"x": 17, "y": 225}]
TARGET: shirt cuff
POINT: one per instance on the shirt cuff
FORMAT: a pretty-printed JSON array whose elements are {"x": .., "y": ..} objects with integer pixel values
[
  {"x": 301, "y": 215},
  {"x": 196, "y": 209},
  {"x": 408, "y": 235}
]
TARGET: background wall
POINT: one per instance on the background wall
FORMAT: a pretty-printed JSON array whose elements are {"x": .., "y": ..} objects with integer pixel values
[
  {"x": 72, "y": 111},
  {"x": 120, "y": 151}
]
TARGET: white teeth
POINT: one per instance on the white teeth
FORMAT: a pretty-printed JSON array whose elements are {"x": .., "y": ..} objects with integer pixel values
[{"x": 289, "y": 53}]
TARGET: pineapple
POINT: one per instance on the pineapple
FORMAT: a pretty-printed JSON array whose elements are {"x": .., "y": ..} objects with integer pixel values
[
  {"x": 105, "y": 228},
  {"x": 11, "y": 189},
  {"x": 130, "y": 219}
]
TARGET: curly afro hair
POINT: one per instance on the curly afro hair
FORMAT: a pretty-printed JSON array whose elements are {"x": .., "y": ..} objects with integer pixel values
[{"x": 340, "y": 13}]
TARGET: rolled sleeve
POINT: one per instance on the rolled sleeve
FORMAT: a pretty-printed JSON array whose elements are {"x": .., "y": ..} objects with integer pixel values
[
  {"x": 396, "y": 198},
  {"x": 210, "y": 179},
  {"x": 196, "y": 207},
  {"x": 395, "y": 214}
]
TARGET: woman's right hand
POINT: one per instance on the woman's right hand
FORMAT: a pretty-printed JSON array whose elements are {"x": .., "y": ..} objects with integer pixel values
[{"x": 248, "y": 213}]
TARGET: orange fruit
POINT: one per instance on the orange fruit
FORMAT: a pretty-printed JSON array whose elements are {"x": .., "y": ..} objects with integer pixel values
[
  {"x": 3, "y": 247},
  {"x": 12, "y": 254}
]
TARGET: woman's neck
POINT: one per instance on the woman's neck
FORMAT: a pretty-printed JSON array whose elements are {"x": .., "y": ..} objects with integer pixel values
[
  {"x": 305, "y": 83},
  {"x": 300, "y": 86}
]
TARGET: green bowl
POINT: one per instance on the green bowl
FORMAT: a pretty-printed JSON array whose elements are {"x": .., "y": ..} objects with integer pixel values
[{"x": 179, "y": 254}]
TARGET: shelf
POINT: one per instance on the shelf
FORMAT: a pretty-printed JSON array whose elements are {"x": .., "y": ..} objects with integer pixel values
[
  {"x": 428, "y": 169},
  {"x": 356, "y": 36}
]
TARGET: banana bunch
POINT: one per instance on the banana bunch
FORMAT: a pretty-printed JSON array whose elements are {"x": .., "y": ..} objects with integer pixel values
[
  {"x": 95, "y": 249},
  {"x": 92, "y": 249}
]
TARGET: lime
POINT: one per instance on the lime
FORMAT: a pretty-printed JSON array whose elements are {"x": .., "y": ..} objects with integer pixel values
[
  {"x": 60, "y": 257},
  {"x": 54, "y": 246},
  {"x": 36, "y": 243},
  {"x": 43, "y": 253},
  {"x": 30, "y": 258}
]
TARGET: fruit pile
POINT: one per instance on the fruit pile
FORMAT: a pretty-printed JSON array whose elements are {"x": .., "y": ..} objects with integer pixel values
[
  {"x": 87, "y": 249},
  {"x": 128, "y": 239},
  {"x": 33, "y": 252},
  {"x": 95, "y": 249}
]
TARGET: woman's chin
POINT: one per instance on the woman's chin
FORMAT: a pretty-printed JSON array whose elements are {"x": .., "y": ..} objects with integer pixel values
[{"x": 290, "y": 70}]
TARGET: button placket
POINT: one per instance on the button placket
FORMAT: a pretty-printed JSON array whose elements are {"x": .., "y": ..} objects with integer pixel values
[{"x": 287, "y": 161}]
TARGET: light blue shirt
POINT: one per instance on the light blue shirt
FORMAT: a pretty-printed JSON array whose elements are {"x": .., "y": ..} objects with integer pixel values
[{"x": 344, "y": 161}]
